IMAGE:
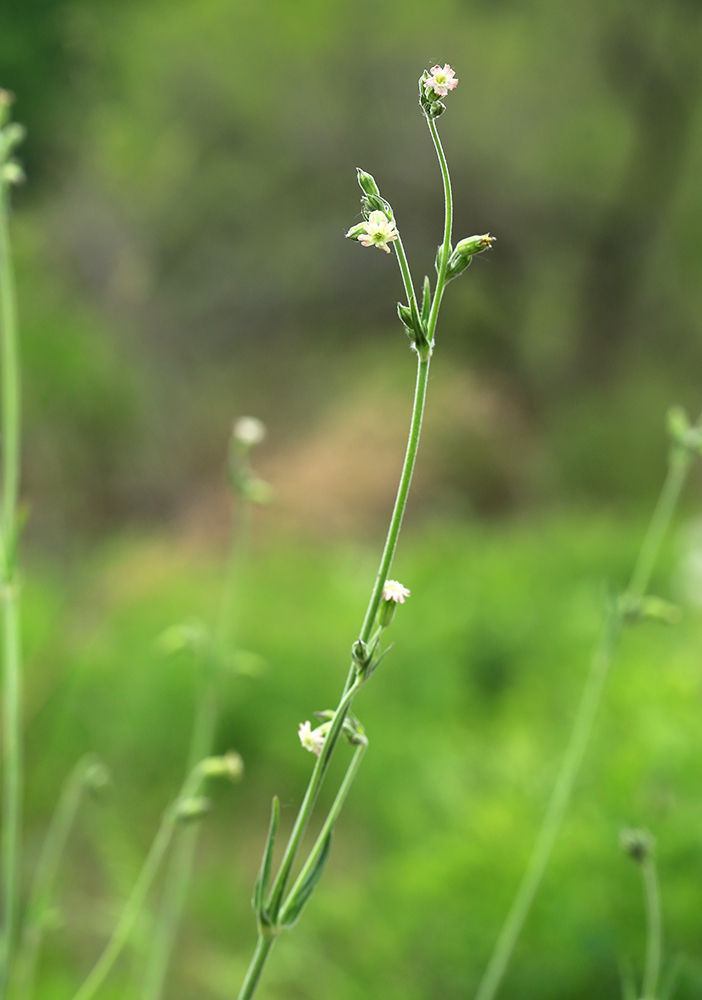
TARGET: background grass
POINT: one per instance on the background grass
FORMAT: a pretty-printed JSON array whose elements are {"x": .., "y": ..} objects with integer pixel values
[{"x": 466, "y": 721}]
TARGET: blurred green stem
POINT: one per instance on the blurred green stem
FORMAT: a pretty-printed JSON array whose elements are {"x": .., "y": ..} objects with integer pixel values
[
  {"x": 45, "y": 874},
  {"x": 679, "y": 464},
  {"x": 125, "y": 924},
  {"x": 11, "y": 646},
  {"x": 353, "y": 683},
  {"x": 654, "y": 928},
  {"x": 180, "y": 864}
]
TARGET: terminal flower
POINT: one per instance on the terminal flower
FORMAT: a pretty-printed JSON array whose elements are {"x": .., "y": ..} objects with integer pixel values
[
  {"x": 377, "y": 231},
  {"x": 441, "y": 80}
]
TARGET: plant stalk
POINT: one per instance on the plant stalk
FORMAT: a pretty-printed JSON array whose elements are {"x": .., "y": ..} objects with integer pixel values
[
  {"x": 10, "y": 841},
  {"x": 678, "y": 466}
]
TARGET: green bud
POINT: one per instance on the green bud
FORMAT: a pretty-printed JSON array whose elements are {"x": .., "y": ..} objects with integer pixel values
[
  {"x": 229, "y": 766},
  {"x": 194, "y": 808},
  {"x": 474, "y": 244},
  {"x": 677, "y": 422},
  {"x": 637, "y": 844},
  {"x": 12, "y": 173},
  {"x": 374, "y": 203},
  {"x": 426, "y": 300},
  {"x": 96, "y": 778},
  {"x": 366, "y": 182},
  {"x": 355, "y": 232},
  {"x": 386, "y": 613},
  {"x": 360, "y": 654}
]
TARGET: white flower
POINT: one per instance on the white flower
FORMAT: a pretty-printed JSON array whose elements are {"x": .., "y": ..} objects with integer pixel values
[
  {"x": 378, "y": 231},
  {"x": 313, "y": 739},
  {"x": 249, "y": 431},
  {"x": 441, "y": 80},
  {"x": 394, "y": 591}
]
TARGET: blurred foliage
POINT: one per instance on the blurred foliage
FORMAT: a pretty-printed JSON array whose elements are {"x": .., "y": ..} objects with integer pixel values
[
  {"x": 192, "y": 174},
  {"x": 467, "y": 719}
]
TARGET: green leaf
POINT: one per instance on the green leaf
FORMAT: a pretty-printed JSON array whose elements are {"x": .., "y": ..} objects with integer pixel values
[
  {"x": 264, "y": 875},
  {"x": 426, "y": 301},
  {"x": 293, "y": 908}
]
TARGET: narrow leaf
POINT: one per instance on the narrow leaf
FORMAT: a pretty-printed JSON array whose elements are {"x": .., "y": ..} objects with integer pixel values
[
  {"x": 264, "y": 875},
  {"x": 426, "y": 300},
  {"x": 293, "y": 908}
]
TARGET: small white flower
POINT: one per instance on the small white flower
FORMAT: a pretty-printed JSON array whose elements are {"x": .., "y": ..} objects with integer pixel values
[
  {"x": 249, "y": 431},
  {"x": 313, "y": 739},
  {"x": 394, "y": 591},
  {"x": 441, "y": 80},
  {"x": 378, "y": 231}
]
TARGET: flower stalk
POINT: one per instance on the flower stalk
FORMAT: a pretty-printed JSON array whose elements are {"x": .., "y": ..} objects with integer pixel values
[
  {"x": 632, "y": 605},
  {"x": 10, "y": 840},
  {"x": 276, "y": 911}
]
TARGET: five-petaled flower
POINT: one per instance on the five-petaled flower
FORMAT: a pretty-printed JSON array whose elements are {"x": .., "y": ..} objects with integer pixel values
[
  {"x": 313, "y": 739},
  {"x": 441, "y": 80},
  {"x": 378, "y": 231},
  {"x": 394, "y": 591}
]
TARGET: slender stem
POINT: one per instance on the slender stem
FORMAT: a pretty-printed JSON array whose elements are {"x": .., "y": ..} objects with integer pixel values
[
  {"x": 258, "y": 963},
  {"x": 180, "y": 864},
  {"x": 448, "y": 226},
  {"x": 45, "y": 874},
  {"x": 327, "y": 826},
  {"x": 420, "y": 393},
  {"x": 315, "y": 783},
  {"x": 10, "y": 845},
  {"x": 582, "y": 727},
  {"x": 131, "y": 911},
  {"x": 654, "y": 930},
  {"x": 404, "y": 269},
  {"x": 277, "y": 892}
]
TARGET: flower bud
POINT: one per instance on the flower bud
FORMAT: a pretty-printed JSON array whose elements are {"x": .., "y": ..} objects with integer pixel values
[
  {"x": 366, "y": 182},
  {"x": 12, "y": 173},
  {"x": 248, "y": 431},
  {"x": 360, "y": 654},
  {"x": 194, "y": 808},
  {"x": 474, "y": 244},
  {"x": 229, "y": 766},
  {"x": 96, "y": 778},
  {"x": 638, "y": 844}
]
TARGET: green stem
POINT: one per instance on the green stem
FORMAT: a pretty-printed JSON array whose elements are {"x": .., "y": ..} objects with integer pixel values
[
  {"x": 448, "y": 226},
  {"x": 582, "y": 727},
  {"x": 131, "y": 911},
  {"x": 654, "y": 930},
  {"x": 180, "y": 864},
  {"x": 46, "y": 871},
  {"x": 274, "y": 901},
  {"x": 10, "y": 846},
  {"x": 327, "y": 826},
  {"x": 257, "y": 965}
]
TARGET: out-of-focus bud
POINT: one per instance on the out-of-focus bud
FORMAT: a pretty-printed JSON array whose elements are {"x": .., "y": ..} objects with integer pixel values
[
  {"x": 353, "y": 731},
  {"x": 366, "y": 182},
  {"x": 12, "y": 173},
  {"x": 229, "y": 766},
  {"x": 637, "y": 844},
  {"x": 192, "y": 809},
  {"x": 249, "y": 431},
  {"x": 96, "y": 777},
  {"x": 7, "y": 99}
]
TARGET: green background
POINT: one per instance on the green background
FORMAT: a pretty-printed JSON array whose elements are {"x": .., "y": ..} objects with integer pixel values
[{"x": 181, "y": 261}]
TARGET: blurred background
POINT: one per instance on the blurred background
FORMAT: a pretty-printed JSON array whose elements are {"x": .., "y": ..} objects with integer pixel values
[{"x": 181, "y": 261}]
